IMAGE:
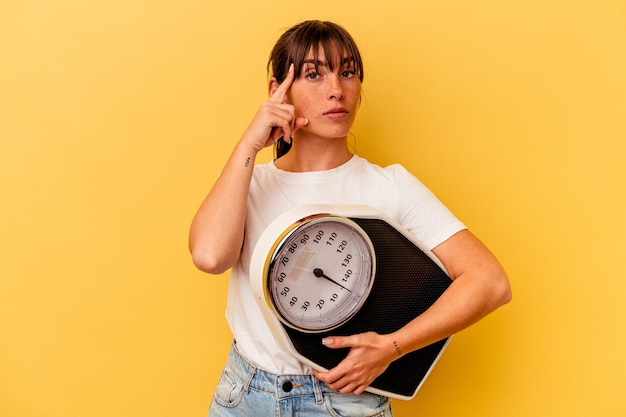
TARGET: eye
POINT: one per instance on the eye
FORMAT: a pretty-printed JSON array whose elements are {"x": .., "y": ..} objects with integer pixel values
[
  {"x": 311, "y": 75},
  {"x": 348, "y": 70}
]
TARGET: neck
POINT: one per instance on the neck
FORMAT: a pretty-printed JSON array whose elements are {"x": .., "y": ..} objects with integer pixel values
[{"x": 320, "y": 155}]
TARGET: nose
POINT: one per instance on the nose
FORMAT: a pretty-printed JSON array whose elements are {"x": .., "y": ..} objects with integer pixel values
[{"x": 335, "y": 89}]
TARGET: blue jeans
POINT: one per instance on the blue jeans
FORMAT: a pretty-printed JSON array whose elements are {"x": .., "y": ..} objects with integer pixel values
[{"x": 244, "y": 390}]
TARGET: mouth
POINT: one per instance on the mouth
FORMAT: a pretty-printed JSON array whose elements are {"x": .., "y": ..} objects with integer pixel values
[{"x": 336, "y": 112}]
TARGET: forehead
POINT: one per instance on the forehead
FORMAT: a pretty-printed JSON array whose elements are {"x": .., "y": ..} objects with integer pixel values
[{"x": 337, "y": 56}]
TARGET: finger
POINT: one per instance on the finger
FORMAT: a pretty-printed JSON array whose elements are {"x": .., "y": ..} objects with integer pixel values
[
  {"x": 345, "y": 385},
  {"x": 300, "y": 123},
  {"x": 281, "y": 131},
  {"x": 287, "y": 135},
  {"x": 359, "y": 390},
  {"x": 341, "y": 382},
  {"x": 281, "y": 92},
  {"x": 280, "y": 120},
  {"x": 337, "y": 342}
]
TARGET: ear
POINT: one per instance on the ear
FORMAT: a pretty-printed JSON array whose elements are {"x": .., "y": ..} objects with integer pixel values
[{"x": 273, "y": 85}]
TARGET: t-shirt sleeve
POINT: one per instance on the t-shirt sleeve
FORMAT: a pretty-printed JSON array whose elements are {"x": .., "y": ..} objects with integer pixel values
[{"x": 423, "y": 214}]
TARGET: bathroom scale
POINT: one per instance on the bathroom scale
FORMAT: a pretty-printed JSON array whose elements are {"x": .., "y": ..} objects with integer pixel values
[{"x": 338, "y": 270}]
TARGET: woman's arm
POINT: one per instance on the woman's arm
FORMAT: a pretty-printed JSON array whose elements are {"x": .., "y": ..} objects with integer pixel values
[
  {"x": 216, "y": 233},
  {"x": 479, "y": 286},
  {"x": 217, "y": 230}
]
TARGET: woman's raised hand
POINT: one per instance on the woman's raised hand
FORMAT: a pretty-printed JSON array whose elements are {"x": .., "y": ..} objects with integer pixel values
[
  {"x": 217, "y": 231},
  {"x": 275, "y": 118}
]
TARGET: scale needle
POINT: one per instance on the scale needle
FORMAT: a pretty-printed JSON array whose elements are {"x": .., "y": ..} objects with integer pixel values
[{"x": 320, "y": 274}]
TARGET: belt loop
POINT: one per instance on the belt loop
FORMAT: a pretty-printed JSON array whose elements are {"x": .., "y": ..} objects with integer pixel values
[
  {"x": 319, "y": 396},
  {"x": 251, "y": 369},
  {"x": 246, "y": 383}
]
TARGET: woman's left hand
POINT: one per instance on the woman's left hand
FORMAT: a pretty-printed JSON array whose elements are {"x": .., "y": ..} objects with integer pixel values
[{"x": 370, "y": 355}]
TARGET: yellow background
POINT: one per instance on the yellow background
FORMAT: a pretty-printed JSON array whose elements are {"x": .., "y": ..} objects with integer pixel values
[{"x": 116, "y": 117}]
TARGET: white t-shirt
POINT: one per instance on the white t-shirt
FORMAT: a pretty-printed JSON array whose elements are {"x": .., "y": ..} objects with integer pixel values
[{"x": 391, "y": 190}]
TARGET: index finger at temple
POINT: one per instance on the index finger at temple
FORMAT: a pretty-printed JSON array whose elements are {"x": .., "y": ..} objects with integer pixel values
[{"x": 281, "y": 92}]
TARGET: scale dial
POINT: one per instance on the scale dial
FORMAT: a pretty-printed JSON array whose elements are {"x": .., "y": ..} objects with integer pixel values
[{"x": 320, "y": 273}]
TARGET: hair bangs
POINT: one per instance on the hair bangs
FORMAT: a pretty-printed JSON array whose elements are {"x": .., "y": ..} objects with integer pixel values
[{"x": 312, "y": 37}]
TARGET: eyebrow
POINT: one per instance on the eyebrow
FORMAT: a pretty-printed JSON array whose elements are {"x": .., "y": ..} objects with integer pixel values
[
  {"x": 315, "y": 62},
  {"x": 319, "y": 62}
]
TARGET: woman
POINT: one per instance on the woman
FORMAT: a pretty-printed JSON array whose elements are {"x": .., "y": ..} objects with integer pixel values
[{"x": 315, "y": 85}]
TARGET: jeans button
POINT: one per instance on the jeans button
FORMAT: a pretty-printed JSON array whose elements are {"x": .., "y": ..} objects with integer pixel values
[{"x": 287, "y": 386}]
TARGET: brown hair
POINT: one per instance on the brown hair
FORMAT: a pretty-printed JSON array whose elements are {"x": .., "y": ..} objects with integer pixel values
[{"x": 309, "y": 36}]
